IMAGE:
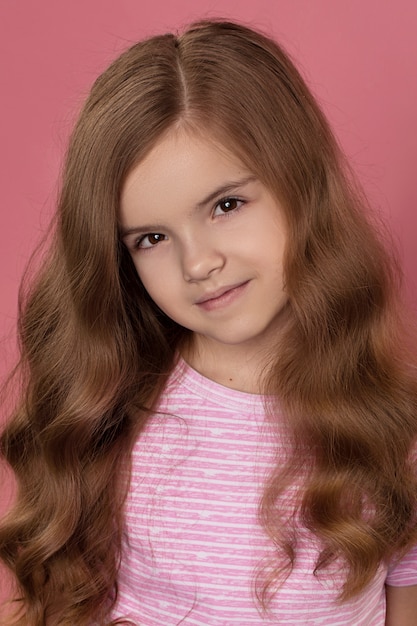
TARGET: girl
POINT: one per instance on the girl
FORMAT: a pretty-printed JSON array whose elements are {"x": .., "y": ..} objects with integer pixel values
[{"x": 218, "y": 410}]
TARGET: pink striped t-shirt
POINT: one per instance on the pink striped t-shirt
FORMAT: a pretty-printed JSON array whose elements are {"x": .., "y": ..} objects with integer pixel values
[{"x": 194, "y": 540}]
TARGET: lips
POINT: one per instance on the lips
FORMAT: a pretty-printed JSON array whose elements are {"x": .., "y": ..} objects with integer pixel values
[{"x": 219, "y": 295}]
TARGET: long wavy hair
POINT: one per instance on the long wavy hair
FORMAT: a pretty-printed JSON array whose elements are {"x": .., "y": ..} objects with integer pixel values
[{"x": 96, "y": 351}]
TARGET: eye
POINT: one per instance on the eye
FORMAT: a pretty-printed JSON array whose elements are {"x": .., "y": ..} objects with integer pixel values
[
  {"x": 227, "y": 205},
  {"x": 149, "y": 241}
]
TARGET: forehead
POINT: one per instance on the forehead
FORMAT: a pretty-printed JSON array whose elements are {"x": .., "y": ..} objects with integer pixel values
[{"x": 181, "y": 168}]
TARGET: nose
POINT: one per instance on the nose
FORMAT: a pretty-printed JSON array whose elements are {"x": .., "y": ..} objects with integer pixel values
[{"x": 200, "y": 259}]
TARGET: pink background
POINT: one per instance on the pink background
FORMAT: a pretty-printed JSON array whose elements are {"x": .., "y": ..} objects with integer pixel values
[{"x": 359, "y": 57}]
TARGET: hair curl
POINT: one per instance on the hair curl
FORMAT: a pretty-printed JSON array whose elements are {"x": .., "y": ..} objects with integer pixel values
[{"x": 96, "y": 351}]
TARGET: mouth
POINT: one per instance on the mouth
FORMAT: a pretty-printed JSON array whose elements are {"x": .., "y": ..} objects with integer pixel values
[{"x": 222, "y": 296}]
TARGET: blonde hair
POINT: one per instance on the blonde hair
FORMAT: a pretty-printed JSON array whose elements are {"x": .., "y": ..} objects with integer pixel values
[{"x": 96, "y": 351}]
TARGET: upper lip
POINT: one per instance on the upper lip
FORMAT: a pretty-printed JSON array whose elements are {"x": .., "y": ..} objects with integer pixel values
[{"x": 212, "y": 295}]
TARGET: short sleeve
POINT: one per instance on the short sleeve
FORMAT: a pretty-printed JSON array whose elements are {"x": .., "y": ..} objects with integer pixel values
[{"x": 403, "y": 573}]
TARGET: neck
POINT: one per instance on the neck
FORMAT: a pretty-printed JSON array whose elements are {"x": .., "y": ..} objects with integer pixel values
[{"x": 236, "y": 367}]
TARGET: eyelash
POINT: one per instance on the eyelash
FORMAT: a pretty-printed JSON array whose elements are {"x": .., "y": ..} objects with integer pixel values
[
  {"x": 137, "y": 243},
  {"x": 231, "y": 199}
]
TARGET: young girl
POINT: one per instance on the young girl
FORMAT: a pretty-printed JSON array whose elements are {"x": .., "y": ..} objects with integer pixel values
[{"x": 218, "y": 410}]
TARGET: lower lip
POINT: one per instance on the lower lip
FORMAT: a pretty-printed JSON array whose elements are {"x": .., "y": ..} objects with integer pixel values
[{"x": 224, "y": 300}]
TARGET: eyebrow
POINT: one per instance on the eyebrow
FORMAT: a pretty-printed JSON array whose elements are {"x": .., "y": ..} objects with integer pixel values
[{"x": 223, "y": 189}]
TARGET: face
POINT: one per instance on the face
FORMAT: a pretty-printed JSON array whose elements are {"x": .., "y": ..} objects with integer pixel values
[{"x": 207, "y": 239}]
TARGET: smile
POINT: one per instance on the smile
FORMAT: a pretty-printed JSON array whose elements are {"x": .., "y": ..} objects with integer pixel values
[{"x": 222, "y": 297}]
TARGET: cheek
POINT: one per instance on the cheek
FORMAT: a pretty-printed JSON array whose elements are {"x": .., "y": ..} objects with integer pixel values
[
  {"x": 146, "y": 276},
  {"x": 156, "y": 282}
]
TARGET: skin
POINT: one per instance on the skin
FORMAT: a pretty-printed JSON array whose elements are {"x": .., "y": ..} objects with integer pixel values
[
  {"x": 401, "y": 606},
  {"x": 207, "y": 239}
]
